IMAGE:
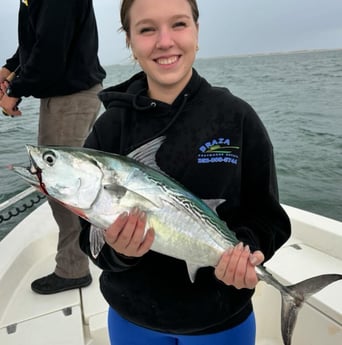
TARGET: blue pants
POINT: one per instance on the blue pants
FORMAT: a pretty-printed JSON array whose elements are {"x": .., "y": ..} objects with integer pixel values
[{"x": 123, "y": 332}]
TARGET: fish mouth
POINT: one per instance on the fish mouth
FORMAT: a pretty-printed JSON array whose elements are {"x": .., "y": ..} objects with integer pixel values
[{"x": 31, "y": 174}]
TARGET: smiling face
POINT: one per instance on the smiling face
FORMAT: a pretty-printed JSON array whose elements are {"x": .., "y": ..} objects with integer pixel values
[{"x": 163, "y": 36}]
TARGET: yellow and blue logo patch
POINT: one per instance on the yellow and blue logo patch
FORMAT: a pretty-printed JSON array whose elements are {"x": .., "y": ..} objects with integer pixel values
[{"x": 218, "y": 150}]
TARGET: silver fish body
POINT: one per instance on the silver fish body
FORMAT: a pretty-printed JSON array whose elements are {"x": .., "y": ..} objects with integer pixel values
[{"x": 99, "y": 186}]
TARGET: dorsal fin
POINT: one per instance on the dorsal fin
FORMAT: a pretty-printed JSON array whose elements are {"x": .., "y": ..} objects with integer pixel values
[{"x": 146, "y": 153}]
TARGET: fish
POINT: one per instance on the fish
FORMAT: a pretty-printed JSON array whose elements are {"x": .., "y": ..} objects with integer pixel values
[{"x": 99, "y": 186}]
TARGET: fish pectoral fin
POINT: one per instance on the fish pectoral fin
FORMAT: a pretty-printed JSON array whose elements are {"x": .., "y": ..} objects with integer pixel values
[
  {"x": 96, "y": 239},
  {"x": 139, "y": 186},
  {"x": 192, "y": 270},
  {"x": 117, "y": 189},
  {"x": 143, "y": 199},
  {"x": 139, "y": 194}
]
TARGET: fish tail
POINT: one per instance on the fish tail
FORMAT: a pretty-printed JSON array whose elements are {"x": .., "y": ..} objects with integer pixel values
[{"x": 293, "y": 297}]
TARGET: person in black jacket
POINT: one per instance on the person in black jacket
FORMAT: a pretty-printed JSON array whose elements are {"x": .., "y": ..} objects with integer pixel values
[
  {"x": 217, "y": 147},
  {"x": 57, "y": 62}
]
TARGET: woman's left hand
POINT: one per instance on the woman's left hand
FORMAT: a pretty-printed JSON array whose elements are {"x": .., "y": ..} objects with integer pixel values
[{"x": 237, "y": 267}]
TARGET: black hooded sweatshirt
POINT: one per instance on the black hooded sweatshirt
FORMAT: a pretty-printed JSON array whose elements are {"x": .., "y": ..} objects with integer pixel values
[
  {"x": 217, "y": 147},
  {"x": 58, "y": 49}
]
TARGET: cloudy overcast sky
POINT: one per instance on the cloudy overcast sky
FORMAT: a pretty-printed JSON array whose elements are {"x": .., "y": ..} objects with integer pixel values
[{"x": 227, "y": 27}]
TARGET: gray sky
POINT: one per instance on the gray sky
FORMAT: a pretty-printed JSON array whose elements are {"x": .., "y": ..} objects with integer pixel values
[{"x": 226, "y": 27}]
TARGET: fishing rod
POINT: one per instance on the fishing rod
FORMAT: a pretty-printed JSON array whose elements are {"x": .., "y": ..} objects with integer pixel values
[{"x": 9, "y": 78}]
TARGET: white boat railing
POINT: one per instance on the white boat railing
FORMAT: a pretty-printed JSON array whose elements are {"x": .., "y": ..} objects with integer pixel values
[{"x": 11, "y": 201}]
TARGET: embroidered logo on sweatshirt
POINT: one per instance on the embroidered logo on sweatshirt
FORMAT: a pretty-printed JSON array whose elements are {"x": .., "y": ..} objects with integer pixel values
[
  {"x": 218, "y": 151},
  {"x": 25, "y": 2}
]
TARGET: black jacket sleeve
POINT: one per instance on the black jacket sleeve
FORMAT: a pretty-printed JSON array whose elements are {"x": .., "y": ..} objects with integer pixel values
[
  {"x": 58, "y": 48},
  {"x": 13, "y": 62},
  {"x": 54, "y": 25}
]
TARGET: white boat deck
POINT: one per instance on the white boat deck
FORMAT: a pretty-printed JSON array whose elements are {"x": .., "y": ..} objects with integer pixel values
[
  {"x": 78, "y": 317},
  {"x": 38, "y": 319}
]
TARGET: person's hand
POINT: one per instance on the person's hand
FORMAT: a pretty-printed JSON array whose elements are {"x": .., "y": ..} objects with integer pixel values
[
  {"x": 127, "y": 234},
  {"x": 3, "y": 89},
  {"x": 4, "y": 73},
  {"x": 9, "y": 105},
  {"x": 237, "y": 267}
]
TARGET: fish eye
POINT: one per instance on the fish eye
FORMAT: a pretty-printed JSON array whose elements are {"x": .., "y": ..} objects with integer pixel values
[{"x": 49, "y": 157}]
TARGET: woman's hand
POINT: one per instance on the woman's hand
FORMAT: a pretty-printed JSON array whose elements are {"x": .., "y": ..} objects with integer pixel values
[
  {"x": 127, "y": 234},
  {"x": 237, "y": 267}
]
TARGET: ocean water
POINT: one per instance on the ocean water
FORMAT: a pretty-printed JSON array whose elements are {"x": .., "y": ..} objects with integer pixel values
[{"x": 298, "y": 97}]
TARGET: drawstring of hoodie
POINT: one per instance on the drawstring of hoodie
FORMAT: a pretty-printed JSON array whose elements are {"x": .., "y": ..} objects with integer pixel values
[
  {"x": 153, "y": 105},
  {"x": 136, "y": 106}
]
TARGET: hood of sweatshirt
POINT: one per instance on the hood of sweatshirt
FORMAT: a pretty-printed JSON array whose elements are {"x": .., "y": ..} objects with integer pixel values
[{"x": 133, "y": 93}]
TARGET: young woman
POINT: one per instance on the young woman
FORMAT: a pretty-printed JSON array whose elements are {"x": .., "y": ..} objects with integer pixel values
[{"x": 151, "y": 298}]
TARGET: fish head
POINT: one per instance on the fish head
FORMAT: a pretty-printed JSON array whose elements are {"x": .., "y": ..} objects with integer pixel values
[{"x": 65, "y": 174}]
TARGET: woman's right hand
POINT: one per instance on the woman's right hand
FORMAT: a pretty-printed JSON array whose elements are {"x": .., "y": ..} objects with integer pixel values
[{"x": 127, "y": 234}]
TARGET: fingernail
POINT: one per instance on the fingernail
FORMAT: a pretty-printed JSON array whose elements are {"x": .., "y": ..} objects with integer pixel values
[
  {"x": 142, "y": 215},
  {"x": 252, "y": 259},
  {"x": 240, "y": 245},
  {"x": 134, "y": 211},
  {"x": 123, "y": 215},
  {"x": 246, "y": 248}
]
